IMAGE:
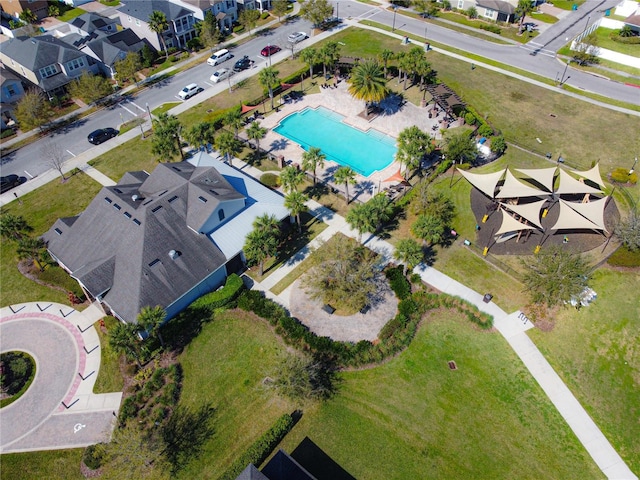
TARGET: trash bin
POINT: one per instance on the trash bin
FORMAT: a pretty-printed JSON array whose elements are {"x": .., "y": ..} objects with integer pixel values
[{"x": 487, "y": 297}]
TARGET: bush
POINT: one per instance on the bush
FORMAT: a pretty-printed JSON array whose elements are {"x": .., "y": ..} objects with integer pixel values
[
  {"x": 264, "y": 15},
  {"x": 469, "y": 118},
  {"x": 9, "y": 132},
  {"x": 222, "y": 297},
  {"x": 261, "y": 448},
  {"x": 623, "y": 257},
  {"x": 498, "y": 145},
  {"x": 472, "y": 12},
  {"x": 629, "y": 40},
  {"x": 491, "y": 28},
  {"x": 270, "y": 180},
  {"x": 92, "y": 457},
  {"x": 238, "y": 29},
  {"x": 485, "y": 130},
  {"x": 194, "y": 44},
  {"x": 398, "y": 282},
  {"x": 128, "y": 410},
  {"x": 621, "y": 175}
]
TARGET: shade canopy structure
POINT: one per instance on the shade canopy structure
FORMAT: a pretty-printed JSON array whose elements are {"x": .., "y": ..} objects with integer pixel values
[
  {"x": 445, "y": 97},
  {"x": 514, "y": 188},
  {"x": 529, "y": 211},
  {"x": 569, "y": 185},
  {"x": 510, "y": 224},
  {"x": 592, "y": 211},
  {"x": 396, "y": 177},
  {"x": 544, "y": 176},
  {"x": 485, "y": 182},
  {"x": 570, "y": 219},
  {"x": 592, "y": 174}
]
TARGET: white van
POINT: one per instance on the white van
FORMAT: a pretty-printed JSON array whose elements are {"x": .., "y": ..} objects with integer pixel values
[
  {"x": 189, "y": 91},
  {"x": 219, "y": 57}
]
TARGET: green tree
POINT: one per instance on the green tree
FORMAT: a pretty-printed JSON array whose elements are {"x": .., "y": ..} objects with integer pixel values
[
  {"x": 413, "y": 145},
  {"x": 14, "y": 227},
  {"x": 368, "y": 83},
  {"x": 460, "y": 147},
  {"x": 409, "y": 252},
  {"x": 626, "y": 31},
  {"x": 316, "y": 11},
  {"x": 27, "y": 16},
  {"x": 359, "y": 219},
  {"x": 498, "y": 145},
  {"x": 347, "y": 176},
  {"x": 524, "y": 8},
  {"x": 279, "y": 8},
  {"x": 329, "y": 54},
  {"x": 312, "y": 160},
  {"x": 148, "y": 56},
  {"x": 165, "y": 142},
  {"x": 128, "y": 67},
  {"x": 346, "y": 274},
  {"x": 472, "y": 12},
  {"x": 33, "y": 249},
  {"x": 209, "y": 31},
  {"x": 303, "y": 377},
  {"x": 295, "y": 202},
  {"x": 268, "y": 78},
  {"x": 554, "y": 276},
  {"x": 201, "y": 134},
  {"x": 309, "y": 56},
  {"x": 228, "y": 146},
  {"x": 428, "y": 228},
  {"x": 585, "y": 52},
  {"x": 233, "y": 119},
  {"x": 33, "y": 110},
  {"x": 385, "y": 56},
  {"x": 380, "y": 210},
  {"x": 123, "y": 339},
  {"x": 628, "y": 231},
  {"x": 151, "y": 320},
  {"x": 89, "y": 88},
  {"x": 420, "y": 6},
  {"x": 256, "y": 132},
  {"x": 262, "y": 242},
  {"x": 158, "y": 23},
  {"x": 249, "y": 18},
  {"x": 435, "y": 204},
  {"x": 290, "y": 178}
]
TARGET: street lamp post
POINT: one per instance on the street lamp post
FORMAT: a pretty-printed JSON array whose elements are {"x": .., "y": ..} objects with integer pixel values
[
  {"x": 426, "y": 44},
  {"x": 338, "y": 10},
  {"x": 395, "y": 9},
  {"x": 633, "y": 166},
  {"x": 150, "y": 119},
  {"x": 562, "y": 79}
]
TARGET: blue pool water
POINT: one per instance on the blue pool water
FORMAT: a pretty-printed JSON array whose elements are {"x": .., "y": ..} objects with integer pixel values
[{"x": 364, "y": 152}]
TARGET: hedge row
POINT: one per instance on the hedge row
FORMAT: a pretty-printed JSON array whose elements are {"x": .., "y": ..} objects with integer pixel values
[
  {"x": 261, "y": 448},
  {"x": 222, "y": 297},
  {"x": 491, "y": 28},
  {"x": 633, "y": 40}
]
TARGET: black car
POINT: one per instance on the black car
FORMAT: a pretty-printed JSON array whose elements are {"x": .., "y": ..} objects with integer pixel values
[
  {"x": 242, "y": 64},
  {"x": 9, "y": 182},
  {"x": 102, "y": 135}
]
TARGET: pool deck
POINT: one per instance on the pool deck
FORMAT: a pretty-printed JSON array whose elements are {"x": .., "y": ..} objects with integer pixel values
[{"x": 339, "y": 100}]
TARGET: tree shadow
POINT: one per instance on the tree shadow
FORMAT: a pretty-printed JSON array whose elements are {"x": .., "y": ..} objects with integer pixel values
[
  {"x": 316, "y": 191},
  {"x": 279, "y": 144},
  {"x": 185, "y": 434},
  {"x": 429, "y": 255},
  {"x": 184, "y": 327}
]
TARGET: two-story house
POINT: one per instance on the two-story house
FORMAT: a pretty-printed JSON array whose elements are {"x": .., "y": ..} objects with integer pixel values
[
  {"x": 225, "y": 11},
  {"x": 46, "y": 62},
  {"x": 11, "y": 91},
  {"x": 181, "y": 21},
  {"x": 15, "y": 7}
]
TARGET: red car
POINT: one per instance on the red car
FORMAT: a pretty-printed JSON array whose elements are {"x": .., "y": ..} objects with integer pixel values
[{"x": 269, "y": 50}]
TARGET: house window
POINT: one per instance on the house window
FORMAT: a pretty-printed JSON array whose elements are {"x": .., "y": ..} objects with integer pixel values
[
  {"x": 221, "y": 214},
  {"x": 58, "y": 231},
  {"x": 127, "y": 214},
  {"x": 116, "y": 206},
  {"x": 107, "y": 199},
  {"x": 202, "y": 199},
  {"x": 75, "y": 64},
  {"x": 172, "y": 199},
  {"x": 11, "y": 91},
  {"x": 48, "y": 71},
  {"x": 488, "y": 13}
]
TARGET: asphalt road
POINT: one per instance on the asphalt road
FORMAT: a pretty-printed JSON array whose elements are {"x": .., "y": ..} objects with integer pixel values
[{"x": 537, "y": 57}]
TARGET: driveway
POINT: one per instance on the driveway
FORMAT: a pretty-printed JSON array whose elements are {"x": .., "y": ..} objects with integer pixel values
[{"x": 59, "y": 410}]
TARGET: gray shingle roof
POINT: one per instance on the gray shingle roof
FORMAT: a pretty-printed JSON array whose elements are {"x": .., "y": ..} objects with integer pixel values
[
  {"x": 498, "y": 5},
  {"x": 38, "y": 52},
  {"x": 110, "y": 47},
  {"x": 89, "y": 22},
  {"x": 142, "y": 9},
  {"x": 251, "y": 473}
]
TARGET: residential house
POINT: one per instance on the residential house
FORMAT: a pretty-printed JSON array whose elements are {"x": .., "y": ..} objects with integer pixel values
[
  {"x": 496, "y": 10},
  {"x": 261, "y": 5},
  {"x": 98, "y": 37},
  {"x": 11, "y": 91},
  {"x": 181, "y": 20},
  {"x": 163, "y": 238},
  {"x": 46, "y": 62},
  {"x": 225, "y": 11},
  {"x": 15, "y": 7}
]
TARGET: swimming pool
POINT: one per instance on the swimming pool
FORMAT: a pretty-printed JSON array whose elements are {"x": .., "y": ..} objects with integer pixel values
[{"x": 365, "y": 152}]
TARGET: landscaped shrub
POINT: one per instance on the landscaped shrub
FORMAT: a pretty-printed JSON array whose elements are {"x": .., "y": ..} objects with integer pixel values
[
  {"x": 9, "y": 132},
  {"x": 261, "y": 448},
  {"x": 92, "y": 456},
  {"x": 469, "y": 118},
  {"x": 222, "y": 297},
  {"x": 398, "y": 282},
  {"x": 270, "y": 180},
  {"x": 129, "y": 409},
  {"x": 621, "y": 175},
  {"x": 491, "y": 28},
  {"x": 485, "y": 130}
]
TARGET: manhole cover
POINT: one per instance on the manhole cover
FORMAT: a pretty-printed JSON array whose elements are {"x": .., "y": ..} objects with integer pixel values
[{"x": 452, "y": 365}]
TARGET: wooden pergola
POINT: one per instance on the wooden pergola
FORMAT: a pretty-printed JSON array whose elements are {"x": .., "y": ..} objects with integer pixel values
[{"x": 445, "y": 98}]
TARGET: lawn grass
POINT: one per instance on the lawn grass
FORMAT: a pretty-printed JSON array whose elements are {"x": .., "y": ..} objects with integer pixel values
[
  {"x": 71, "y": 14},
  {"x": 109, "y": 377},
  {"x": 597, "y": 354},
  {"x": 414, "y": 418},
  {"x": 133, "y": 155},
  {"x": 225, "y": 365},
  {"x": 51, "y": 464},
  {"x": 41, "y": 208},
  {"x": 604, "y": 41},
  {"x": 164, "y": 108},
  {"x": 505, "y": 31},
  {"x": 543, "y": 17},
  {"x": 566, "y": 4}
]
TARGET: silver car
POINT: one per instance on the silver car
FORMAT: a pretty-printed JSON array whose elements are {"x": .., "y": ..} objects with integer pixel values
[
  {"x": 220, "y": 75},
  {"x": 297, "y": 37}
]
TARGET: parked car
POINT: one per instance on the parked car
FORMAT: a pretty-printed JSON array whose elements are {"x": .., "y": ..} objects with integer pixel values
[
  {"x": 102, "y": 135},
  {"x": 297, "y": 37},
  {"x": 269, "y": 50},
  {"x": 8, "y": 182},
  {"x": 220, "y": 75},
  {"x": 219, "y": 57},
  {"x": 189, "y": 91},
  {"x": 242, "y": 64}
]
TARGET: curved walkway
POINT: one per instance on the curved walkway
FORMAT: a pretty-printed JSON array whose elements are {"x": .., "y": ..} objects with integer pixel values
[{"x": 59, "y": 410}]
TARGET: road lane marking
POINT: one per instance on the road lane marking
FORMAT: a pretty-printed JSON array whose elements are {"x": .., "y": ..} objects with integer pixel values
[{"x": 132, "y": 113}]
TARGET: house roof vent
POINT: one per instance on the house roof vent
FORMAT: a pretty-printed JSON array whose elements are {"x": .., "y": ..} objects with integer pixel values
[
  {"x": 134, "y": 197},
  {"x": 174, "y": 254}
]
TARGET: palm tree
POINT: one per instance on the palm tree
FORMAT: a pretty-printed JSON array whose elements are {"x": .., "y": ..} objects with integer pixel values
[
  {"x": 329, "y": 53},
  {"x": 413, "y": 145},
  {"x": 151, "y": 319},
  {"x": 233, "y": 119},
  {"x": 359, "y": 219},
  {"x": 523, "y": 9},
  {"x": 296, "y": 203},
  {"x": 428, "y": 228},
  {"x": 122, "y": 339},
  {"x": 268, "y": 78},
  {"x": 32, "y": 249},
  {"x": 312, "y": 160},
  {"x": 166, "y": 137},
  {"x": 201, "y": 134},
  {"x": 13, "y": 227},
  {"x": 158, "y": 23},
  {"x": 228, "y": 146},
  {"x": 409, "y": 252},
  {"x": 347, "y": 176},
  {"x": 291, "y": 177},
  {"x": 256, "y": 132},
  {"x": 380, "y": 210},
  {"x": 367, "y": 82},
  {"x": 309, "y": 56},
  {"x": 262, "y": 242},
  {"x": 385, "y": 56},
  {"x": 267, "y": 223}
]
